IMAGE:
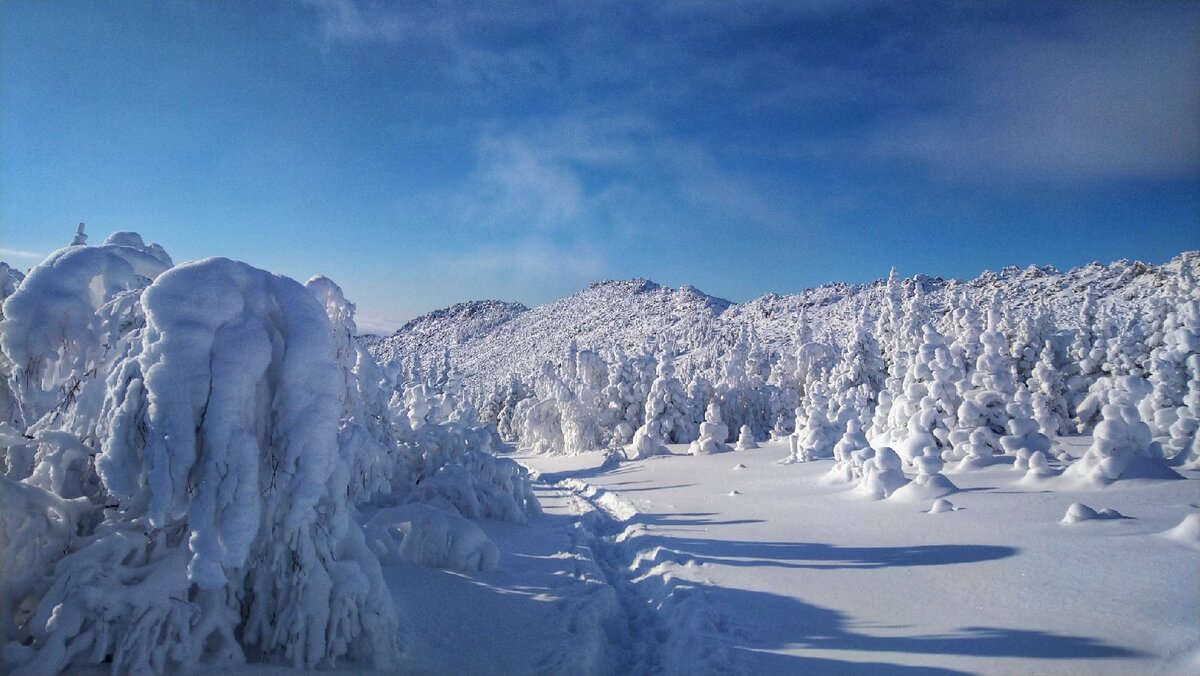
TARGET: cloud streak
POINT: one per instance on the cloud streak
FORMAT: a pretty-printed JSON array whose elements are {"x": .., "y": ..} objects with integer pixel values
[{"x": 17, "y": 253}]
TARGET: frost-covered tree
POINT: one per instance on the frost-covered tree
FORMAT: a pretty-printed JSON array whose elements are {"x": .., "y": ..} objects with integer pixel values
[
  {"x": 1023, "y": 431},
  {"x": 1032, "y": 333},
  {"x": 560, "y": 422},
  {"x": 666, "y": 414},
  {"x": 1170, "y": 375},
  {"x": 227, "y": 525},
  {"x": 365, "y": 431},
  {"x": 1183, "y": 442},
  {"x": 861, "y": 366},
  {"x": 983, "y": 415},
  {"x": 968, "y": 330},
  {"x": 713, "y": 432},
  {"x": 1081, "y": 369},
  {"x": 844, "y": 469},
  {"x": 745, "y": 440},
  {"x": 62, "y": 326},
  {"x": 1122, "y": 445},
  {"x": 816, "y": 438},
  {"x": 888, "y": 320},
  {"x": 1048, "y": 390}
]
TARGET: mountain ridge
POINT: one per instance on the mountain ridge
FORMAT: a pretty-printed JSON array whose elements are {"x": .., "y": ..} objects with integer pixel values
[{"x": 488, "y": 340}]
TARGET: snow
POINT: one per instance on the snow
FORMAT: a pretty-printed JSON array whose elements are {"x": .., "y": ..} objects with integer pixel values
[
  {"x": 203, "y": 469},
  {"x": 1003, "y": 586},
  {"x": 1187, "y": 532},
  {"x": 428, "y": 536}
]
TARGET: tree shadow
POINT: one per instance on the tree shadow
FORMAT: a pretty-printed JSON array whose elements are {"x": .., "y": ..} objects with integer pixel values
[
  {"x": 770, "y": 622},
  {"x": 825, "y": 556}
]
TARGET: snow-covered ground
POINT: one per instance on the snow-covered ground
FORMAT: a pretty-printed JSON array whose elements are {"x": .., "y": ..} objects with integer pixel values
[
  {"x": 734, "y": 563},
  {"x": 201, "y": 469}
]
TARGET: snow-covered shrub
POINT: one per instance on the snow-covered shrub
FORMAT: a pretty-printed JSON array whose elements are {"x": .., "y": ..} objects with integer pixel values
[
  {"x": 1036, "y": 465},
  {"x": 1122, "y": 447},
  {"x": 713, "y": 433},
  {"x": 745, "y": 440},
  {"x": 882, "y": 475},
  {"x": 929, "y": 484}
]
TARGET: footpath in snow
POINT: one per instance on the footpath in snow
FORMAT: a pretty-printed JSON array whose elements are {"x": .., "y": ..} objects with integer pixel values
[{"x": 733, "y": 563}]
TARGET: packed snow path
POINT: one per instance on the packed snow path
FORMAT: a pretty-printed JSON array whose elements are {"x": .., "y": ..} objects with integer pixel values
[{"x": 684, "y": 564}]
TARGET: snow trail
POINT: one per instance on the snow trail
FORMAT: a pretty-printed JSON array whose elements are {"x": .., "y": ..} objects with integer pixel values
[{"x": 669, "y": 626}]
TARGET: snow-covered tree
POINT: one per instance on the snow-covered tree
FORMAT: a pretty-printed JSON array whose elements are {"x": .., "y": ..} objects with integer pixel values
[
  {"x": 62, "y": 326},
  {"x": 227, "y": 525},
  {"x": 666, "y": 413},
  {"x": 1122, "y": 445},
  {"x": 745, "y": 440},
  {"x": 1048, "y": 390},
  {"x": 844, "y": 469},
  {"x": 816, "y": 438},
  {"x": 713, "y": 432},
  {"x": 882, "y": 474}
]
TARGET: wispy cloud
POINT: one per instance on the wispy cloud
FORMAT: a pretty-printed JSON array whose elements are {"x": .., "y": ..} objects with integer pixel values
[
  {"x": 351, "y": 21},
  {"x": 378, "y": 324},
  {"x": 1109, "y": 96},
  {"x": 17, "y": 253}
]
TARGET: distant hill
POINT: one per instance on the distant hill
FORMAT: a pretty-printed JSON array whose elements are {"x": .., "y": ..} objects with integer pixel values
[{"x": 490, "y": 339}]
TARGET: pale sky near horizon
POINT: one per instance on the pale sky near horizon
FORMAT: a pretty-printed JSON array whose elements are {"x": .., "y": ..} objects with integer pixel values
[{"x": 425, "y": 153}]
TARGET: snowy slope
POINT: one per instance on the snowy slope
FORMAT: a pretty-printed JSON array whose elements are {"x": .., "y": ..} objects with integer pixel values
[
  {"x": 497, "y": 339},
  {"x": 489, "y": 339}
]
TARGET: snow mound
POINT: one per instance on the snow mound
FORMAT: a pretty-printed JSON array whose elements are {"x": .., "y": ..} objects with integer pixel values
[
  {"x": 1078, "y": 512},
  {"x": 1187, "y": 532},
  {"x": 428, "y": 536},
  {"x": 942, "y": 505},
  {"x": 929, "y": 484}
]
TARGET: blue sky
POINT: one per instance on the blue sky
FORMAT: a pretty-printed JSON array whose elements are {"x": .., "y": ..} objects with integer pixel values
[{"x": 423, "y": 153}]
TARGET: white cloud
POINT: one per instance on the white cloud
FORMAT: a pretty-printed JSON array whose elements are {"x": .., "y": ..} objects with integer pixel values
[
  {"x": 349, "y": 21},
  {"x": 1112, "y": 96},
  {"x": 531, "y": 263},
  {"x": 516, "y": 183},
  {"x": 17, "y": 253},
  {"x": 377, "y": 324}
]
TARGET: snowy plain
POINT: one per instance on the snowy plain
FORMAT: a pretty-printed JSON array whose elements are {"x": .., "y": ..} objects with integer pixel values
[{"x": 734, "y": 563}]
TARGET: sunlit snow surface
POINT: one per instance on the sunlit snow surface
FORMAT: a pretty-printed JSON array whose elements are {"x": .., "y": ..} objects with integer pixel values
[{"x": 691, "y": 564}]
